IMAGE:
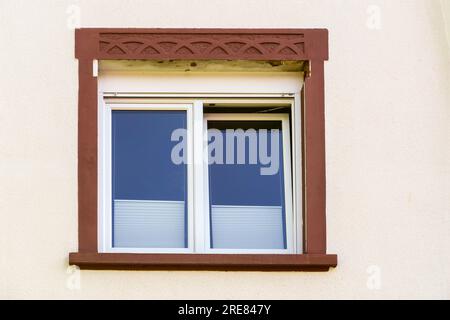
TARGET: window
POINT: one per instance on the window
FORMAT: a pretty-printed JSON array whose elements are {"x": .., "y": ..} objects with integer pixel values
[
  {"x": 249, "y": 189},
  {"x": 253, "y": 80},
  {"x": 235, "y": 197},
  {"x": 150, "y": 193}
]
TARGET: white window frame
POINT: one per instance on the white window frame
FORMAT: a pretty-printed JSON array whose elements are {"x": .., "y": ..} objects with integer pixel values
[
  {"x": 286, "y": 143},
  {"x": 198, "y": 207},
  {"x": 105, "y": 222}
]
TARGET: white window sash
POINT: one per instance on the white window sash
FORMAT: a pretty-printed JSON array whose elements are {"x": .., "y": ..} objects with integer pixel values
[
  {"x": 105, "y": 177},
  {"x": 290, "y": 242}
]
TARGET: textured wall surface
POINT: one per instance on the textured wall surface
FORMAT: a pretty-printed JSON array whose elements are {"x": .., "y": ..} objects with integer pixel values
[
  {"x": 388, "y": 155},
  {"x": 446, "y": 13}
]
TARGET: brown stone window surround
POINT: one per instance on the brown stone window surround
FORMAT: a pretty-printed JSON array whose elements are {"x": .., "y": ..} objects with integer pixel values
[{"x": 307, "y": 45}]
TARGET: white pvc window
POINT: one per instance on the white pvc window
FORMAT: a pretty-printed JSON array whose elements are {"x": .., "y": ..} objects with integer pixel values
[
  {"x": 249, "y": 193},
  {"x": 147, "y": 197},
  {"x": 242, "y": 203}
]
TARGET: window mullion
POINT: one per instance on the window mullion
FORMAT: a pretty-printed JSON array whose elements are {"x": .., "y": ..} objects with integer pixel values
[{"x": 199, "y": 194}]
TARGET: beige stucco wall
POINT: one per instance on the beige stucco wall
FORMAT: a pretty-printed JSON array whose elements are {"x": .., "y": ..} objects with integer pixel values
[
  {"x": 445, "y": 4},
  {"x": 388, "y": 148}
]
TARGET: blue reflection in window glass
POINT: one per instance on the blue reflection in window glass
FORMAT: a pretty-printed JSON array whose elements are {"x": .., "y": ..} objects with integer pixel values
[
  {"x": 247, "y": 208},
  {"x": 149, "y": 190}
]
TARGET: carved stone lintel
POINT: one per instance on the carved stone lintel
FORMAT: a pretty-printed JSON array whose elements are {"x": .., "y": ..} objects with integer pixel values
[{"x": 208, "y": 44}]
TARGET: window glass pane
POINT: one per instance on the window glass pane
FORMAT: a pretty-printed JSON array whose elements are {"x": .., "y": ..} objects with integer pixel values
[
  {"x": 149, "y": 190},
  {"x": 246, "y": 185}
]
